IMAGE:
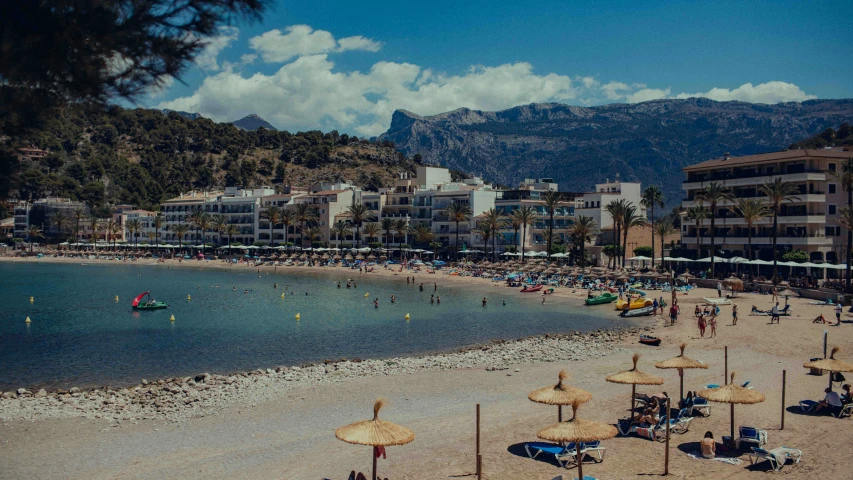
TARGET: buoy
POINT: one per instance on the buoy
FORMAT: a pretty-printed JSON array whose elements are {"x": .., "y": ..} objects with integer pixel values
[
  {"x": 172, "y": 318},
  {"x": 189, "y": 297},
  {"x": 27, "y": 320},
  {"x": 407, "y": 316},
  {"x": 298, "y": 316},
  {"x": 282, "y": 295},
  {"x": 116, "y": 298},
  {"x": 366, "y": 294},
  {"x": 32, "y": 300}
]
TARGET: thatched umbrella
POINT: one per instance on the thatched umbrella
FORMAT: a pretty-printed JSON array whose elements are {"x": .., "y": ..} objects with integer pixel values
[
  {"x": 681, "y": 362},
  {"x": 376, "y": 433},
  {"x": 830, "y": 365},
  {"x": 732, "y": 394},
  {"x": 734, "y": 284},
  {"x": 634, "y": 377},
  {"x": 788, "y": 293},
  {"x": 560, "y": 394},
  {"x": 577, "y": 430}
]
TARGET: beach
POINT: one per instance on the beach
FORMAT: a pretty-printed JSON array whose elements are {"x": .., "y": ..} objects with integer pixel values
[{"x": 279, "y": 423}]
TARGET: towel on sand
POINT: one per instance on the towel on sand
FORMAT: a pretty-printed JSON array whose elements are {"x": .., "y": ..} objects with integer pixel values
[{"x": 698, "y": 456}]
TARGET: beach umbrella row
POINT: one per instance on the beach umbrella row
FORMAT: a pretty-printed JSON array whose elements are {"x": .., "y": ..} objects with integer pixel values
[
  {"x": 560, "y": 394},
  {"x": 681, "y": 362},
  {"x": 634, "y": 377}
]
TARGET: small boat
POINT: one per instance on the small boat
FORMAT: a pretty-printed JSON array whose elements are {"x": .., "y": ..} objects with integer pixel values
[
  {"x": 638, "y": 312},
  {"x": 531, "y": 289},
  {"x": 602, "y": 299},
  {"x": 649, "y": 340},
  {"x": 150, "y": 304}
]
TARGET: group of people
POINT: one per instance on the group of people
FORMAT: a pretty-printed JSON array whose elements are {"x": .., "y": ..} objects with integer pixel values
[
  {"x": 707, "y": 317},
  {"x": 833, "y": 402}
]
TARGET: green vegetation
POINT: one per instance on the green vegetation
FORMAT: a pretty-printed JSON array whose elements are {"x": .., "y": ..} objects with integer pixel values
[
  {"x": 829, "y": 138},
  {"x": 798, "y": 256},
  {"x": 143, "y": 157}
]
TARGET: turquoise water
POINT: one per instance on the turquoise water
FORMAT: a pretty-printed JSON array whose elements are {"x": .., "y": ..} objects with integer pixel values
[{"x": 79, "y": 335}]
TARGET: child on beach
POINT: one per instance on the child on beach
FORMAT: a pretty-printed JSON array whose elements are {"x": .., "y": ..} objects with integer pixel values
[{"x": 734, "y": 314}]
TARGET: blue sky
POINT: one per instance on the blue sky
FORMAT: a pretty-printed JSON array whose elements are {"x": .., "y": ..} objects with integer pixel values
[{"x": 348, "y": 65}]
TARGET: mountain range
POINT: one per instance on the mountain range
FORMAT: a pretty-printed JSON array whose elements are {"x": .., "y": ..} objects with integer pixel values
[
  {"x": 253, "y": 122},
  {"x": 648, "y": 142}
]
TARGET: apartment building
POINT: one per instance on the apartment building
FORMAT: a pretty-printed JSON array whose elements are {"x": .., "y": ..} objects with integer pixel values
[
  {"x": 807, "y": 221},
  {"x": 593, "y": 204},
  {"x": 479, "y": 198},
  {"x": 533, "y": 194},
  {"x": 42, "y": 213}
]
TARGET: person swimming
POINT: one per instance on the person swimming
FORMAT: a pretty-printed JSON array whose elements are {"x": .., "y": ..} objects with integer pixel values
[
  {"x": 484, "y": 301},
  {"x": 432, "y": 299},
  {"x": 393, "y": 299},
  {"x": 339, "y": 284},
  {"x": 375, "y": 303},
  {"x": 438, "y": 300},
  {"x": 275, "y": 286}
]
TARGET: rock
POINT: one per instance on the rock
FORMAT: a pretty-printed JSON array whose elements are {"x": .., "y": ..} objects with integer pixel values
[
  {"x": 144, "y": 381},
  {"x": 22, "y": 391},
  {"x": 41, "y": 393},
  {"x": 202, "y": 377},
  {"x": 74, "y": 390},
  {"x": 9, "y": 395}
]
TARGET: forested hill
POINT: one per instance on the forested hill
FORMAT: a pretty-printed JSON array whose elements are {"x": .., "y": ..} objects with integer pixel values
[
  {"x": 143, "y": 157},
  {"x": 843, "y": 137}
]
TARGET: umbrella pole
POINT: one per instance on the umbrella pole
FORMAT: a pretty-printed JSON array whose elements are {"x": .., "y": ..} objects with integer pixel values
[
  {"x": 681, "y": 390},
  {"x": 580, "y": 464},
  {"x": 732, "y": 424},
  {"x": 374, "y": 463},
  {"x": 633, "y": 395},
  {"x": 559, "y": 413}
]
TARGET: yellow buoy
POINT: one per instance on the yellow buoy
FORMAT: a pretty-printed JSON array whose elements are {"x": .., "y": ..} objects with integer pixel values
[
  {"x": 189, "y": 297},
  {"x": 366, "y": 295},
  {"x": 172, "y": 318},
  {"x": 32, "y": 300},
  {"x": 27, "y": 320},
  {"x": 407, "y": 316},
  {"x": 282, "y": 295},
  {"x": 116, "y": 298},
  {"x": 298, "y": 316}
]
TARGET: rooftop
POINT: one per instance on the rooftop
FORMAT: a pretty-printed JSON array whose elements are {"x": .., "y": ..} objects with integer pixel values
[{"x": 771, "y": 157}]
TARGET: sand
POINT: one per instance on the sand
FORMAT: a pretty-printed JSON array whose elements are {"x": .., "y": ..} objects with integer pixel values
[{"x": 292, "y": 436}]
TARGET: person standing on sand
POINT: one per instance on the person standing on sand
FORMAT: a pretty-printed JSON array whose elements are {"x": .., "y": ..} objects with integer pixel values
[
  {"x": 734, "y": 314},
  {"x": 774, "y": 313},
  {"x": 655, "y": 307},
  {"x": 674, "y": 310},
  {"x": 838, "y": 309},
  {"x": 702, "y": 325},
  {"x": 719, "y": 290},
  {"x": 713, "y": 322}
]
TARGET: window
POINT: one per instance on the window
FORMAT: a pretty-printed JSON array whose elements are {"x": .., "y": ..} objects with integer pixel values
[
  {"x": 832, "y": 187},
  {"x": 831, "y": 167},
  {"x": 832, "y": 209}
]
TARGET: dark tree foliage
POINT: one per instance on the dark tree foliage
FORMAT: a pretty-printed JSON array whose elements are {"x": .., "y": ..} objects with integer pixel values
[
  {"x": 828, "y": 138},
  {"x": 55, "y": 52}
]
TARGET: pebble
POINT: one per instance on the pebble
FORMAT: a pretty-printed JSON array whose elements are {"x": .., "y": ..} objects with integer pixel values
[{"x": 179, "y": 399}]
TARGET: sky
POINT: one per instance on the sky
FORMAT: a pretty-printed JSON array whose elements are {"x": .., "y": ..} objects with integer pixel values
[{"x": 349, "y": 65}]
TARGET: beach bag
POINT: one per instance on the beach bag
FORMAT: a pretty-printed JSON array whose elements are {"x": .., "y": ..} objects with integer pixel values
[{"x": 837, "y": 377}]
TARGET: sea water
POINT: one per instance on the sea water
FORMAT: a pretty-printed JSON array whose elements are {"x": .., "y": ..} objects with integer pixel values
[{"x": 228, "y": 319}]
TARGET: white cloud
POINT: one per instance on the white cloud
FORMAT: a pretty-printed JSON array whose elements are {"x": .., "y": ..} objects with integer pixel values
[
  {"x": 299, "y": 40},
  {"x": 208, "y": 58},
  {"x": 770, "y": 92},
  {"x": 308, "y": 92}
]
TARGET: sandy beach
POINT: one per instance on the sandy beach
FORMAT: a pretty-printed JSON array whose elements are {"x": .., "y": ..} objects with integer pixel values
[{"x": 276, "y": 432}]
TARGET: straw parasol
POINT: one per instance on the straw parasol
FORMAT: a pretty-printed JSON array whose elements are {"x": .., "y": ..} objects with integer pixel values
[
  {"x": 560, "y": 394},
  {"x": 788, "y": 293},
  {"x": 375, "y": 433},
  {"x": 634, "y": 377},
  {"x": 734, "y": 284},
  {"x": 830, "y": 364},
  {"x": 577, "y": 430},
  {"x": 681, "y": 362},
  {"x": 732, "y": 394}
]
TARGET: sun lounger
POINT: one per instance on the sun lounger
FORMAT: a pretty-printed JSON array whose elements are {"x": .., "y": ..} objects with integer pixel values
[
  {"x": 808, "y": 406},
  {"x": 593, "y": 448},
  {"x": 751, "y": 435},
  {"x": 701, "y": 405},
  {"x": 777, "y": 456},
  {"x": 535, "y": 448}
]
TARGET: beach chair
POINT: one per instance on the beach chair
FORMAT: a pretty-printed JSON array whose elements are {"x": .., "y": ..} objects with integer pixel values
[
  {"x": 808, "y": 406},
  {"x": 777, "y": 456},
  {"x": 846, "y": 411},
  {"x": 535, "y": 448},
  {"x": 751, "y": 435},
  {"x": 700, "y": 405},
  {"x": 592, "y": 448}
]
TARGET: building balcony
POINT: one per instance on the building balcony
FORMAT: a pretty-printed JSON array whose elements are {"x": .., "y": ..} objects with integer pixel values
[
  {"x": 743, "y": 181},
  {"x": 802, "y": 198},
  {"x": 816, "y": 240},
  {"x": 818, "y": 218}
]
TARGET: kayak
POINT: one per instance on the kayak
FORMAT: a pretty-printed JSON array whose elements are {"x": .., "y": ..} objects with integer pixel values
[
  {"x": 649, "y": 340},
  {"x": 638, "y": 312},
  {"x": 531, "y": 289},
  {"x": 601, "y": 299},
  {"x": 641, "y": 302},
  {"x": 152, "y": 305}
]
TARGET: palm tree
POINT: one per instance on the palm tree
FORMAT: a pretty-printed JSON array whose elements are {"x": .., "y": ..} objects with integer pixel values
[
  {"x": 218, "y": 224},
  {"x": 133, "y": 226},
  {"x": 272, "y": 214},
  {"x": 304, "y": 214},
  {"x": 341, "y": 229},
  {"x": 552, "y": 199},
  {"x": 653, "y": 196},
  {"x": 230, "y": 230},
  {"x": 422, "y": 233},
  {"x": 32, "y": 233},
  {"x": 526, "y": 216},
  {"x": 371, "y": 230},
  {"x": 513, "y": 222},
  {"x": 59, "y": 220},
  {"x": 663, "y": 228},
  {"x": 493, "y": 221},
  {"x": 203, "y": 224},
  {"x": 115, "y": 230},
  {"x": 697, "y": 214},
  {"x": 151, "y": 236},
  {"x": 195, "y": 219},
  {"x": 401, "y": 227},
  {"x": 485, "y": 231},
  {"x": 94, "y": 223},
  {"x": 109, "y": 231},
  {"x": 629, "y": 220},
  {"x": 752, "y": 210},
  {"x": 845, "y": 178},
  {"x": 79, "y": 214},
  {"x": 288, "y": 218},
  {"x": 714, "y": 194},
  {"x": 583, "y": 230},
  {"x": 158, "y": 224},
  {"x": 457, "y": 213},
  {"x": 777, "y": 192},
  {"x": 360, "y": 214},
  {"x": 616, "y": 210},
  {"x": 387, "y": 225},
  {"x": 180, "y": 230},
  {"x": 314, "y": 234}
]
